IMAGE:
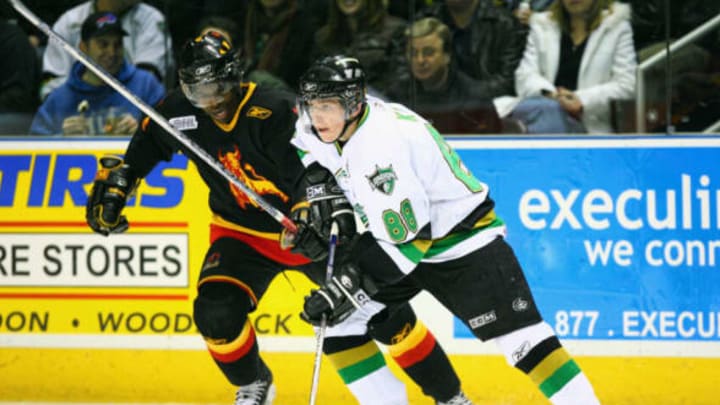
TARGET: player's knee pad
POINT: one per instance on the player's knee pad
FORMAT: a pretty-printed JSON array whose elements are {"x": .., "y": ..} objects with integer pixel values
[
  {"x": 391, "y": 326},
  {"x": 537, "y": 341},
  {"x": 220, "y": 311}
]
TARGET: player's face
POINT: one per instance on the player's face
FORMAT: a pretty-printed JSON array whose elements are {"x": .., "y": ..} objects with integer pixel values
[
  {"x": 328, "y": 118},
  {"x": 218, "y": 98},
  {"x": 223, "y": 108},
  {"x": 106, "y": 51},
  {"x": 428, "y": 61}
]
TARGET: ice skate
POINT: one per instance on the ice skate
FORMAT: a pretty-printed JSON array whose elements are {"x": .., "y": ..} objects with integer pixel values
[
  {"x": 259, "y": 392},
  {"x": 459, "y": 399}
]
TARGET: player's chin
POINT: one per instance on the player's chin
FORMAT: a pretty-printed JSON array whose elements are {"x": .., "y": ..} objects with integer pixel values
[
  {"x": 326, "y": 135},
  {"x": 221, "y": 115},
  {"x": 218, "y": 113}
]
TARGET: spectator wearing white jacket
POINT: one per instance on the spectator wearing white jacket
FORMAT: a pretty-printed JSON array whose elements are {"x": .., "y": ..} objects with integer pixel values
[{"x": 579, "y": 56}]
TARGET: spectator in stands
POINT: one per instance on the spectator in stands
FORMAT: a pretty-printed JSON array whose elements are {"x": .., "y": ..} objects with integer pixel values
[
  {"x": 364, "y": 30},
  {"x": 224, "y": 26},
  {"x": 488, "y": 41},
  {"x": 408, "y": 9},
  {"x": 436, "y": 89},
  {"x": 229, "y": 30},
  {"x": 47, "y": 11},
  {"x": 523, "y": 9},
  {"x": 319, "y": 10},
  {"x": 694, "y": 68},
  {"x": 578, "y": 58},
  {"x": 182, "y": 18},
  {"x": 648, "y": 20},
  {"x": 147, "y": 44},
  {"x": 696, "y": 94},
  {"x": 278, "y": 38},
  {"x": 19, "y": 79},
  {"x": 85, "y": 104}
]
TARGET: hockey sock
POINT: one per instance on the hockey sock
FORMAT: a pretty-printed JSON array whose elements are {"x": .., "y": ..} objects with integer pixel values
[
  {"x": 423, "y": 359},
  {"x": 537, "y": 352},
  {"x": 362, "y": 367},
  {"x": 239, "y": 359}
]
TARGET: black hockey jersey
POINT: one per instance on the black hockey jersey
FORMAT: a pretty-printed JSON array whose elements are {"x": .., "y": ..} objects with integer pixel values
[{"x": 254, "y": 146}]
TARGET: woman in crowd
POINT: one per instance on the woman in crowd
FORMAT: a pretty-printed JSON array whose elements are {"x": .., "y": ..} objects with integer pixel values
[
  {"x": 578, "y": 58},
  {"x": 364, "y": 29}
]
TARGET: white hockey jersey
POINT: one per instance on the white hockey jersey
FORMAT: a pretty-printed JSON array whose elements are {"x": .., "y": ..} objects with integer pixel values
[{"x": 401, "y": 176}]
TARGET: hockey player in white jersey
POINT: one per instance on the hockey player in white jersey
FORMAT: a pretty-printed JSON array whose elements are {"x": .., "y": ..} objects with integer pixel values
[{"x": 431, "y": 225}]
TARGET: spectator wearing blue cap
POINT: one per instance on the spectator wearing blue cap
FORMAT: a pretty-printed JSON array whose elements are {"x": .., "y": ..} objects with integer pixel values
[{"x": 85, "y": 104}]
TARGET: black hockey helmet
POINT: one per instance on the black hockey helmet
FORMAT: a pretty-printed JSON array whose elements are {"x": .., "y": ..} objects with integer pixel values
[
  {"x": 335, "y": 76},
  {"x": 208, "y": 68}
]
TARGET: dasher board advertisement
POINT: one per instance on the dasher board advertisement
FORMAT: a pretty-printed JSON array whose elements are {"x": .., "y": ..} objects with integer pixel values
[
  {"x": 61, "y": 285},
  {"x": 619, "y": 237}
]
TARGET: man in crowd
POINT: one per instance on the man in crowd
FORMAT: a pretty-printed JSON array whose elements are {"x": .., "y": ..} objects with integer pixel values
[
  {"x": 487, "y": 41},
  {"x": 437, "y": 89},
  {"x": 147, "y": 44},
  {"x": 85, "y": 104}
]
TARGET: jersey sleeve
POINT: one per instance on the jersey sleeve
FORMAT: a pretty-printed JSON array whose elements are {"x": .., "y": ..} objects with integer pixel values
[{"x": 149, "y": 145}]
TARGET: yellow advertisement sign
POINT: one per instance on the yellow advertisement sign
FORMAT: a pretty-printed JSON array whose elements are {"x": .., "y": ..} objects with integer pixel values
[{"x": 57, "y": 277}]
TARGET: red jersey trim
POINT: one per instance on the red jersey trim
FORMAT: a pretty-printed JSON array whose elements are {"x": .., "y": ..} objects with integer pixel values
[{"x": 266, "y": 247}]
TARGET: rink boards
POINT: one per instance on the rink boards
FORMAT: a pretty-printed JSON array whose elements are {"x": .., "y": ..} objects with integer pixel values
[{"x": 620, "y": 239}]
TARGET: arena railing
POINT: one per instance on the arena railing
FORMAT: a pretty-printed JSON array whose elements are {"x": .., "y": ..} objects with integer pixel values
[{"x": 659, "y": 57}]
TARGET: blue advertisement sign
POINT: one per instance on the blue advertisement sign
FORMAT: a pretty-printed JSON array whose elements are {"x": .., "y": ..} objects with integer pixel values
[{"x": 617, "y": 242}]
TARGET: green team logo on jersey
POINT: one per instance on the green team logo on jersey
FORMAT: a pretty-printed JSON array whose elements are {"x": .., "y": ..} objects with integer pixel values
[{"x": 383, "y": 179}]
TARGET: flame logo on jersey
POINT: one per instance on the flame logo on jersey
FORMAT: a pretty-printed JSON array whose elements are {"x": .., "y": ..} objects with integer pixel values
[{"x": 246, "y": 173}]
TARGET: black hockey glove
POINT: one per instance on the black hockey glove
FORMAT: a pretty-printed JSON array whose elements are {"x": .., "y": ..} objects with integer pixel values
[
  {"x": 328, "y": 204},
  {"x": 306, "y": 241},
  {"x": 321, "y": 202},
  {"x": 113, "y": 184},
  {"x": 347, "y": 291}
]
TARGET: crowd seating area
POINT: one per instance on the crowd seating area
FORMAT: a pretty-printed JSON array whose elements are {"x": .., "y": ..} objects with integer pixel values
[{"x": 475, "y": 67}]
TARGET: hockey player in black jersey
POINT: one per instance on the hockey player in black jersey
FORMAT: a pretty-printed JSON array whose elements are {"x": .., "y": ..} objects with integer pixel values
[{"x": 248, "y": 129}]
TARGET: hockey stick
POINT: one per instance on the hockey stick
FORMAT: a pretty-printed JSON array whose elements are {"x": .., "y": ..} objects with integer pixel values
[
  {"x": 334, "y": 230},
  {"x": 154, "y": 115}
]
